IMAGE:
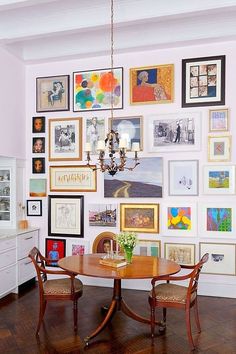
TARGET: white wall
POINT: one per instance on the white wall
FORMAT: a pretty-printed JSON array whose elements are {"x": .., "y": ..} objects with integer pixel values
[{"x": 210, "y": 284}]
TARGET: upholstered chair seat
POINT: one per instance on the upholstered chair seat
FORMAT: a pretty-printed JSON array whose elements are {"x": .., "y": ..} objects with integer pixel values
[
  {"x": 172, "y": 293},
  {"x": 61, "y": 286}
]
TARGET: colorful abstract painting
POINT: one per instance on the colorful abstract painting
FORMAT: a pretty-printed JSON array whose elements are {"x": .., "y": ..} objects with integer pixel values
[
  {"x": 219, "y": 219},
  {"x": 98, "y": 89},
  {"x": 179, "y": 218},
  {"x": 218, "y": 179}
]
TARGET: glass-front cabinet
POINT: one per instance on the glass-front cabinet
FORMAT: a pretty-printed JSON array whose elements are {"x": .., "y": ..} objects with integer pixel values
[{"x": 5, "y": 194}]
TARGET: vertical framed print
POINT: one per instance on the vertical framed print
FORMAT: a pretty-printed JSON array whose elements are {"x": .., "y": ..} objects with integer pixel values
[
  {"x": 219, "y": 148},
  {"x": 218, "y": 120},
  {"x": 55, "y": 250},
  {"x": 38, "y": 125},
  {"x": 183, "y": 177},
  {"x": 34, "y": 207}
]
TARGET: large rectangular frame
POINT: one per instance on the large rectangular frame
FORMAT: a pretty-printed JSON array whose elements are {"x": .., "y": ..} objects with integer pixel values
[
  {"x": 148, "y": 248},
  {"x": 182, "y": 253}
]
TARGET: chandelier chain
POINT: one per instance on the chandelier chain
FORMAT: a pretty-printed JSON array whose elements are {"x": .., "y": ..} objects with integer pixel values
[{"x": 112, "y": 58}]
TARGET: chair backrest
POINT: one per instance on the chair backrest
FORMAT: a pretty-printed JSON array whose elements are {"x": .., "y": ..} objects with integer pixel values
[
  {"x": 39, "y": 263},
  {"x": 193, "y": 283}
]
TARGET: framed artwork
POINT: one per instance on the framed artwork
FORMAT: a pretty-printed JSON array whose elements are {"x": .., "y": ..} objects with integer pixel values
[
  {"x": 79, "y": 178},
  {"x": 182, "y": 253},
  {"x": 179, "y": 219},
  {"x": 174, "y": 132},
  {"x": 38, "y": 145},
  {"x": 38, "y": 165},
  {"x": 203, "y": 81},
  {"x": 103, "y": 215},
  {"x": 66, "y": 215},
  {"x": 219, "y": 179},
  {"x": 38, "y": 187},
  {"x": 183, "y": 177},
  {"x": 145, "y": 181},
  {"x": 152, "y": 84},
  {"x": 95, "y": 131},
  {"x": 52, "y": 93},
  {"x": 38, "y": 124},
  {"x": 77, "y": 247},
  {"x": 55, "y": 250},
  {"x": 34, "y": 207},
  {"x": 129, "y": 128},
  {"x": 139, "y": 217},
  {"x": 148, "y": 248},
  {"x": 94, "y": 90},
  {"x": 219, "y": 148},
  {"x": 218, "y": 120},
  {"x": 217, "y": 219},
  {"x": 65, "y": 139},
  {"x": 221, "y": 258},
  {"x": 104, "y": 242}
]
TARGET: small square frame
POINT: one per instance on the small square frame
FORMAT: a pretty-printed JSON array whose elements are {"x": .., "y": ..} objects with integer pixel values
[
  {"x": 219, "y": 148},
  {"x": 34, "y": 207},
  {"x": 218, "y": 120}
]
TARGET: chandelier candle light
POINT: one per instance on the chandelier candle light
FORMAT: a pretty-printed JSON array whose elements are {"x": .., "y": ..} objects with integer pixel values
[{"x": 112, "y": 165}]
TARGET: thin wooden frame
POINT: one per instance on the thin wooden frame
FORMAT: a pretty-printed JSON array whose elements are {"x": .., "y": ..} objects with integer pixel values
[
  {"x": 182, "y": 253},
  {"x": 183, "y": 177},
  {"x": 219, "y": 148},
  {"x": 218, "y": 120},
  {"x": 34, "y": 207},
  {"x": 52, "y": 93},
  {"x": 55, "y": 250},
  {"x": 139, "y": 217},
  {"x": 219, "y": 179},
  {"x": 73, "y": 179},
  {"x": 203, "y": 81},
  {"x": 148, "y": 248},
  {"x": 65, "y": 139}
]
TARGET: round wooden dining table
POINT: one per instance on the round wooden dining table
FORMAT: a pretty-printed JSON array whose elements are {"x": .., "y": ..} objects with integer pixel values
[{"x": 142, "y": 267}]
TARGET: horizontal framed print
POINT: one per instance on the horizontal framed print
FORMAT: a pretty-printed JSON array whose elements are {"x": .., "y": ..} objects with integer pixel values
[
  {"x": 129, "y": 129},
  {"x": 38, "y": 187},
  {"x": 148, "y": 248},
  {"x": 38, "y": 145},
  {"x": 145, "y": 181},
  {"x": 79, "y": 178},
  {"x": 179, "y": 219},
  {"x": 219, "y": 148},
  {"x": 221, "y": 258},
  {"x": 103, "y": 215},
  {"x": 218, "y": 120},
  {"x": 219, "y": 179},
  {"x": 139, "y": 217},
  {"x": 203, "y": 81},
  {"x": 55, "y": 250},
  {"x": 174, "y": 132},
  {"x": 65, "y": 139},
  {"x": 66, "y": 216},
  {"x": 52, "y": 93},
  {"x": 95, "y": 131},
  {"x": 77, "y": 247},
  {"x": 217, "y": 220},
  {"x": 182, "y": 253},
  {"x": 152, "y": 84},
  {"x": 183, "y": 177},
  {"x": 34, "y": 207},
  {"x": 38, "y": 125},
  {"x": 96, "y": 90}
]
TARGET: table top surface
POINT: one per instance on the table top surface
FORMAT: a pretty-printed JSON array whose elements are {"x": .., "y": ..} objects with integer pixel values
[{"x": 142, "y": 267}]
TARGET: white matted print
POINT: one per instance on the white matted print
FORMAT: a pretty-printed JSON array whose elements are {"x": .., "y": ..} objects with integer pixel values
[
  {"x": 221, "y": 258},
  {"x": 179, "y": 219},
  {"x": 219, "y": 148},
  {"x": 183, "y": 177},
  {"x": 148, "y": 248},
  {"x": 104, "y": 215},
  {"x": 182, "y": 253},
  {"x": 95, "y": 131},
  {"x": 77, "y": 247},
  {"x": 218, "y": 120},
  {"x": 219, "y": 179},
  {"x": 174, "y": 132}
]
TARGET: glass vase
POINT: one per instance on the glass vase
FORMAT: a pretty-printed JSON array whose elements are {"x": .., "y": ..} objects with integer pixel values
[{"x": 128, "y": 254}]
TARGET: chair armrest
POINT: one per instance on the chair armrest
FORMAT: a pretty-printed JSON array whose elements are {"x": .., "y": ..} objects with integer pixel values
[
  {"x": 187, "y": 266},
  {"x": 171, "y": 278}
]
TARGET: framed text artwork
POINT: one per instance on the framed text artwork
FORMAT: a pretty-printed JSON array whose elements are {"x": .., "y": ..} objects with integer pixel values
[
  {"x": 219, "y": 179},
  {"x": 182, "y": 253},
  {"x": 219, "y": 148},
  {"x": 96, "y": 90},
  {"x": 203, "y": 81},
  {"x": 218, "y": 120},
  {"x": 152, "y": 84},
  {"x": 66, "y": 215},
  {"x": 55, "y": 250},
  {"x": 65, "y": 139},
  {"x": 148, "y": 248},
  {"x": 52, "y": 93},
  {"x": 183, "y": 177}
]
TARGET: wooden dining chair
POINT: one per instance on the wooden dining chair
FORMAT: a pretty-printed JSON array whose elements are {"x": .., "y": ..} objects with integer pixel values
[
  {"x": 66, "y": 288},
  {"x": 177, "y": 296}
]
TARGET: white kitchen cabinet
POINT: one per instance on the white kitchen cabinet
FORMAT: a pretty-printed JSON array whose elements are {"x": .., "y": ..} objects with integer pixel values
[{"x": 8, "y": 265}]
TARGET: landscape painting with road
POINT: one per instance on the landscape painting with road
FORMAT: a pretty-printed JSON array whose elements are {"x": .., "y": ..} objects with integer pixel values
[{"x": 144, "y": 181}]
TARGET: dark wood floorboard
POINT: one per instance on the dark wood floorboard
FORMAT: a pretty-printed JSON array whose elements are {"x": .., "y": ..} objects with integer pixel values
[{"x": 19, "y": 315}]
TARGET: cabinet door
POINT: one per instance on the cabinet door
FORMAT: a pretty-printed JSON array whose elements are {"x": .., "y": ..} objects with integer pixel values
[
  {"x": 5, "y": 195},
  {"x": 26, "y": 242},
  {"x": 8, "y": 280}
]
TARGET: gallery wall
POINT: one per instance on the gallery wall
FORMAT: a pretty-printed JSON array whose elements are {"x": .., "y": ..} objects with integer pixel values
[{"x": 211, "y": 284}]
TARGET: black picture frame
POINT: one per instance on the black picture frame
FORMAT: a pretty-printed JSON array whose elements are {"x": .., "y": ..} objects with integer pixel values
[
  {"x": 203, "y": 81},
  {"x": 38, "y": 165},
  {"x": 54, "y": 249},
  {"x": 38, "y": 149},
  {"x": 38, "y": 125},
  {"x": 34, "y": 207}
]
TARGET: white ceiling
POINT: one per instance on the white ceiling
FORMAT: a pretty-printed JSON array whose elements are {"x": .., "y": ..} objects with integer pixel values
[{"x": 43, "y": 30}]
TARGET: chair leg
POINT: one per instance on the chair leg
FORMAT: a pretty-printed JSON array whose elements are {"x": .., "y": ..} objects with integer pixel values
[
  {"x": 42, "y": 309},
  {"x": 196, "y": 315},
  {"x": 189, "y": 331},
  {"x": 152, "y": 323},
  {"x": 162, "y": 327},
  {"x": 75, "y": 312}
]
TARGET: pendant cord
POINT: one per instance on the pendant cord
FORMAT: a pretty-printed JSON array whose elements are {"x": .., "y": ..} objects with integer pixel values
[{"x": 112, "y": 60}]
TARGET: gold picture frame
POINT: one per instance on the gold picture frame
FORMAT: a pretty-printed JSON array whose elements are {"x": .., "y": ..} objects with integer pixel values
[
  {"x": 218, "y": 120},
  {"x": 219, "y": 148}
]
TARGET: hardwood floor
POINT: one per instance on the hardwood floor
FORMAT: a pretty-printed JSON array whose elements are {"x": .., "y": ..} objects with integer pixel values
[{"x": 19, "y": 315}]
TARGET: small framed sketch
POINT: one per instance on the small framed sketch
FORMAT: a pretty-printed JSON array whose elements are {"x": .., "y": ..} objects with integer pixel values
[
  {"x": 219, "y": 179},
  {"x": 38, "y": 125},
  {"x": 148, "y": 248},
  {"x": 103, "y": 215},
  {"x": 38, "y": 165},
  {"x": 77, "y": 247},
  {"x": 38, "y": 145},
  {"x": 221, "y": 258},
  {"x": 52, "y": 93},
  {"x": 34, "y": 207},
  {"x": 55, "y": 250},
  {"x": 95, "y": 131},
  {"x": 217, "y": 219},
  {"x": 218, "y": 120},
  {"x": 203, "y": 81},
  {"x": 65, "y": 139},
  {"x": 179, "y": 219},
  {"x": 219, "y": 148},
  {"x": 66, "y": 215},
  {"x": 38, "y": 187},
  {"x": 183, "y": 177},
  {"x": 182, "y": 253}
]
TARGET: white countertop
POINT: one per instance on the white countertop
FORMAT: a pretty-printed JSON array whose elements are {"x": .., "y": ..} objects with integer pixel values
[{"x": 7, "y": 233}]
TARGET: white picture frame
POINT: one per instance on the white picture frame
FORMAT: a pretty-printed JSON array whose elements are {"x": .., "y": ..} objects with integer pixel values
[
  {"x": 219, "y": 148},
  {"x": 76, "y": 247},
  {"x": 218, "y": 179},
  {"x": 182, "y": 253},
  {"x": 95, "y": 131},
  {"x": 183, "y": 177}
]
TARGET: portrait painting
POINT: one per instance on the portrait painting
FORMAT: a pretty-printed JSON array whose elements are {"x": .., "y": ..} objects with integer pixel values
[
  {"x": 152, "y": 84},
  {"x": 38, "y": 145},
  {"x": 55, "y": 250},
  {"x": 219, "y": 179},
  {"x": 103, "y": 215},
  {"x": 180, "y": 253},
  {"x": 96, "y": 90},
  {"x": 37, "y": 187},
  {"x": 105, "y": 243},
  {"x": 95, "y": 131},
  {"x": 145, "y": 181},
  {"x": 38, "y": 165},
  {"x": 38, "y": 124}
]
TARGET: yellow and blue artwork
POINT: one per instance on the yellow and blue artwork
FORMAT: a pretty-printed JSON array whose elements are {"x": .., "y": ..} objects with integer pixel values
[{"x": 179, "y": 218}]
